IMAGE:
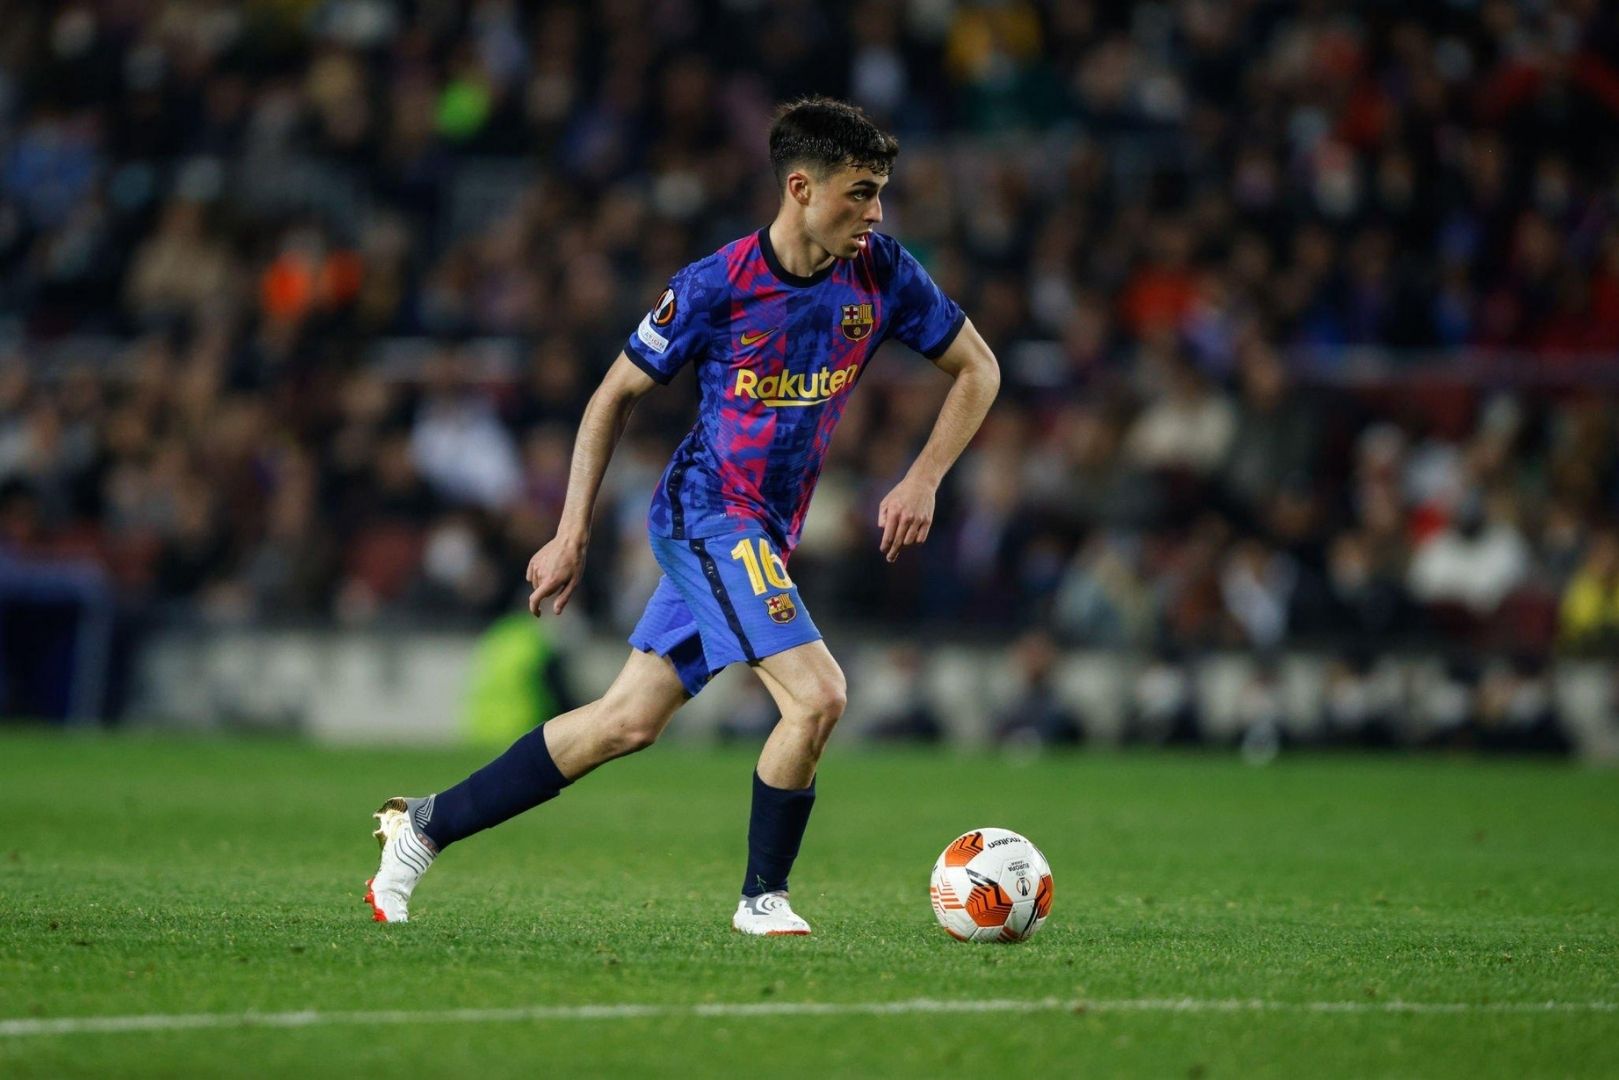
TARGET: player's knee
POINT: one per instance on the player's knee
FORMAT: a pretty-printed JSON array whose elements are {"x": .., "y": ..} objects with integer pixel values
[
  {"x": 626, "y": 731},
  {"x": 834, "y": 701},
  {"x": 825, "y": 704},
  {"x": 638, "y": 736}
]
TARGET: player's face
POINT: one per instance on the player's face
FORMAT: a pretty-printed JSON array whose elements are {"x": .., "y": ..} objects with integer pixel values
[{"x": 844, "y": 206}]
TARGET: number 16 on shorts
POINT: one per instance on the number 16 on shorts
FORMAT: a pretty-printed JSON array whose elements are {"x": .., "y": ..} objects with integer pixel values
[
  {"x": 763, "y": 565},
  {"x": 739, "y": 595},
  {"x": 766, "y": 568}
]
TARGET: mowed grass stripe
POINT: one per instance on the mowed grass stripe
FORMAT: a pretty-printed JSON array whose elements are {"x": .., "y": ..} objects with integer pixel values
[{"x": 109, "y": 1025}]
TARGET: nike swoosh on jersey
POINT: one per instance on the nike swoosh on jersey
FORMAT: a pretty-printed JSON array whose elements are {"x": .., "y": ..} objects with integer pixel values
[{"x": 753, "y": 337}]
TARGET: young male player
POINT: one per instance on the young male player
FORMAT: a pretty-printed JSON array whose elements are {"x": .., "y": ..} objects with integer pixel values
[{"x": 780, "y": 326}]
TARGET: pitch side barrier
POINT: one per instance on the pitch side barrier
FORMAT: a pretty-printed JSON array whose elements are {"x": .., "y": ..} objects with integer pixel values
[{"x": 378, "y": 686}]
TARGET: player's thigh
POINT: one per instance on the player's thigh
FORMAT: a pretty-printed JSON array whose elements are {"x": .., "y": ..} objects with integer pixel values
[
  {"x": 805, "y": 679},
  {"x": 646, "y": 693}
]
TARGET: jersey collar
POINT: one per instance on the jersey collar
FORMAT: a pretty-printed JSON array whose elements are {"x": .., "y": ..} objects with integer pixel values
[{"x": 781, "y": 273}]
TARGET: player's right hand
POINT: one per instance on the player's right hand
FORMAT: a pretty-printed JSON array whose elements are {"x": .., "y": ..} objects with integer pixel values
[{"x": 555, "y": 568}]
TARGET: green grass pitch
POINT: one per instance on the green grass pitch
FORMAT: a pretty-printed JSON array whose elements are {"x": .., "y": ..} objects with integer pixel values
[{"x": 173, "y": 878}]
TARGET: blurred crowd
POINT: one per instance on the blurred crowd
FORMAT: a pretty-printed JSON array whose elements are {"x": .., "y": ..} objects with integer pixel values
[{"x": 300, "y": 301}]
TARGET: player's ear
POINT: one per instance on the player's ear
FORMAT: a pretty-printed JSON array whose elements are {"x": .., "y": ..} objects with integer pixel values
[{"x": 798, "y": 187}]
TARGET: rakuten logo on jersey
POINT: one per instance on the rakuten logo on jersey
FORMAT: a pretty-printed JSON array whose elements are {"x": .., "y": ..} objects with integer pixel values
[{"x": 793, "y": 390}]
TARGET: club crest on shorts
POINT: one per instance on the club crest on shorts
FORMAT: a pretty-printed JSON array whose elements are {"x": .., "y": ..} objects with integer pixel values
[
  {"x": 781, "y": 608},
  {"x": 857, "y": 321}
]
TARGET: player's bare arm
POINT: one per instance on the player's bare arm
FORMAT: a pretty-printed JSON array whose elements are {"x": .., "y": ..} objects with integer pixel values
[
  {"x": 906, "y": 514},
  {"x": 557, "y": 567}
]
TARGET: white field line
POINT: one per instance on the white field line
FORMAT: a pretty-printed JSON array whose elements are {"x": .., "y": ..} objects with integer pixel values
[{"x": 104, "y": 1025}]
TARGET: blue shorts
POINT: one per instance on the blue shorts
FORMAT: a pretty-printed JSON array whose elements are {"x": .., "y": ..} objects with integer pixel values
[{"x": 721, "y": 600}]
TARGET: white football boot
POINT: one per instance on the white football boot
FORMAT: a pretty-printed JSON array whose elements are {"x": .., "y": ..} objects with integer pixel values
[
  {"x": 406, "y": 855},
  {"x": 768, "y": 915}
]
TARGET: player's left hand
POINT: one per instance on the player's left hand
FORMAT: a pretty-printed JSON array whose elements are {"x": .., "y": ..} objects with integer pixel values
[
  {"x": 905, "y": 516},
  {"x": 555, "y": 570}
]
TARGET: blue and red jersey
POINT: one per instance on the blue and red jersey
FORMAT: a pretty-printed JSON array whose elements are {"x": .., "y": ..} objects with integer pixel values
[{"x": 777, "y": 356}]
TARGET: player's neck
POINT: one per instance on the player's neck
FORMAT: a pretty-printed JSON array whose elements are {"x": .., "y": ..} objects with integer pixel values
[{"x": 797, "y": 253}]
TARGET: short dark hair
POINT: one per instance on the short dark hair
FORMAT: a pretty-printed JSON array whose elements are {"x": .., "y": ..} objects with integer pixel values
[{"x": 828, "y": 134}]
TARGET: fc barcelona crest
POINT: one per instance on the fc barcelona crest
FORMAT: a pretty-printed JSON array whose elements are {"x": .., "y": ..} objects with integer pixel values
[
  {"x": 781, "y": 607},
  {"x": 857, "y": 321}
]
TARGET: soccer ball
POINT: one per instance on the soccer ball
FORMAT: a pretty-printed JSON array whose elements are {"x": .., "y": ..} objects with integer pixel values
[{"x": 991, "y": 885}]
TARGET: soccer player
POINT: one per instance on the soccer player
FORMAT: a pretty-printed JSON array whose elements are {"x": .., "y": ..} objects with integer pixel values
[{"x": 780, "y": 326}]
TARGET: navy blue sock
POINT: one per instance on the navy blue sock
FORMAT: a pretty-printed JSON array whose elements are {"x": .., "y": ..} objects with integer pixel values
[
  {"x": 774, "y": 832},
  {"x": 520, "y": 779}
]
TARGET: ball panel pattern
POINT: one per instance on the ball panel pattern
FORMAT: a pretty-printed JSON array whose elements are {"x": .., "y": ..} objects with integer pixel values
[
  {"x": 964, "y": 849},
  {"x": 988, "y": 903}
]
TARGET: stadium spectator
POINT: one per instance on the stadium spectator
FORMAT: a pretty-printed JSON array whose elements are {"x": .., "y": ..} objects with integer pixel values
[
  {"x": 459, "y": 444},
  {"x": 180, "y": 275},
  {"x": 1472, "y": 565},
  {"x": 1369, "y": 603},
  {"x": 1277, "y": 432},
  {"x": 1035, "y": 717},
  {"x": 911, "y": 718},
  {"x": 1590, "y": 605},
  {"x": 1257, "y": 585},
  {"x": 1163, "y": 707},
  {"x": 1103, "y": 600},
  {"x": 1188, "y": 429}
]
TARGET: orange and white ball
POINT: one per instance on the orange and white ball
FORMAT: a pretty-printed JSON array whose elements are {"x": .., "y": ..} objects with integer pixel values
[{"x": 991, "y": 885}]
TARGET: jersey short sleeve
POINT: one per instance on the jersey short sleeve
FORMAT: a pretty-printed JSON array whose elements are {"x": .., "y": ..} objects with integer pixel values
[
  {"x": 922, "y": 316},
  {"x": 677, "y": 329}
]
